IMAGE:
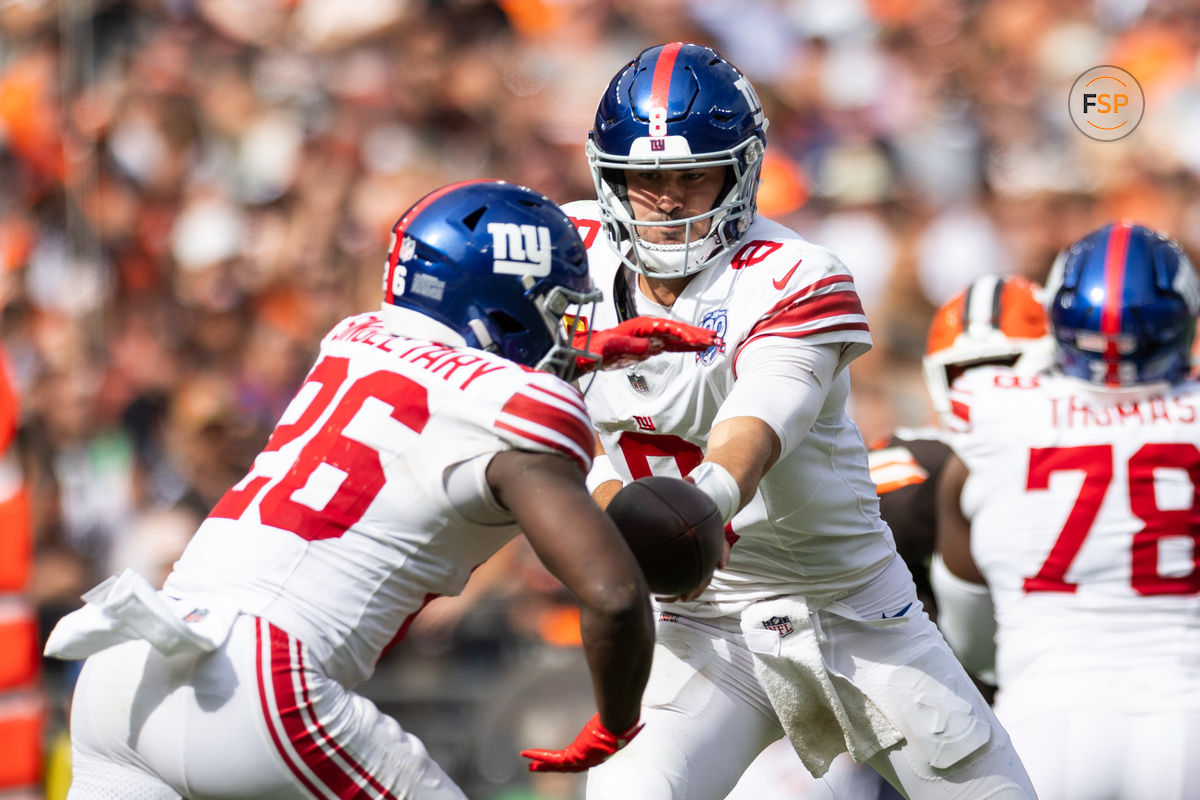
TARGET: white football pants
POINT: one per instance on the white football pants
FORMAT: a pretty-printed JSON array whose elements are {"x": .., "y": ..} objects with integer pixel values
[
  {"x": 1090, "y": 754},
  {"x": 252, "y": 719},
  {"x": 707, "y": 716}
]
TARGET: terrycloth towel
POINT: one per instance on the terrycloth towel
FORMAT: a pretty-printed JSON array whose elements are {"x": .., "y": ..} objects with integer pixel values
[
  {"x": 127, "y": 607},
  {"x": 822, "y": 712}
]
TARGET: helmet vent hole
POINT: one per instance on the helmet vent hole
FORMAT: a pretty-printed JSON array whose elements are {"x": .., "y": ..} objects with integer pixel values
[
  {"x": 472, "y": 220},
  {"x": 506, "y": 322}
]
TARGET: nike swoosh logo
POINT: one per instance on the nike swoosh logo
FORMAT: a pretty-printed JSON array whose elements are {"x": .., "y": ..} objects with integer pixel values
[
  {"x": 779, "y": 284},
  {"x": 899, "y": 613}
]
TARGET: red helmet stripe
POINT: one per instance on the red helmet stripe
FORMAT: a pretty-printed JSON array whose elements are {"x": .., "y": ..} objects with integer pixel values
[
  {"x": 1114, "y": 287},
  {"x": 402, "y": 225},
  {"x": 661, "y": 84}
]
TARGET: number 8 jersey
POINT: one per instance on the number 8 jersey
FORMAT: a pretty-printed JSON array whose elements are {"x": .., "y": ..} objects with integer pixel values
[
  {"x": 813, "y": 526},
  {"x": 1085, "y": 521},
  {"x": 369, "y": 498}
]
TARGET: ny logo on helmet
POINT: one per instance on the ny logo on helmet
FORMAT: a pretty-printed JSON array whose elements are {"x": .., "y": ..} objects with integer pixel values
[
  {"x": 744, "y": 86},
  {"x": 520, "y": 249}
]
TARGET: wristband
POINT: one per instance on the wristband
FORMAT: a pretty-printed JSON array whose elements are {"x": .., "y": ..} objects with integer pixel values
[
  {"x": 602, "y": 471},
  {"x": 716, "y": 482}
]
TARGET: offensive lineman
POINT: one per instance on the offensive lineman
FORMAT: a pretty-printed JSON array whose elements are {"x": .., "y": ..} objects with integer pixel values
[
  {"x": 425, "y": 436},
  {"x": 813, "y": 629},
  {"x": 1075, "y": 496}
]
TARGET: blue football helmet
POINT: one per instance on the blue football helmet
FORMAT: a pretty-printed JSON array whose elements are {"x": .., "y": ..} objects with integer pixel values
[
  {"x": 1122, "y": 304},
  {"x": 490, "y": 265},
  {"x": 677, "y": 106}
]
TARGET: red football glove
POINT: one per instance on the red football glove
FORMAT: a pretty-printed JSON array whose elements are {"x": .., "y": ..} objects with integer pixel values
[
  {"x": 593, "y": 745},
  {"x": 639, "y": 338}
]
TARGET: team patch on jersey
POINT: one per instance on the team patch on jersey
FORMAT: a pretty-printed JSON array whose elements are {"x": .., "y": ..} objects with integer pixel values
[
  {"x": 781, "y": 625},
  {"x": 716, "y": 321}
]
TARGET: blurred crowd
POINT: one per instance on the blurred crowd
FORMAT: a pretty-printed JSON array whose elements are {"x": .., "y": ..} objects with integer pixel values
[{"x": 194, "y": 191}]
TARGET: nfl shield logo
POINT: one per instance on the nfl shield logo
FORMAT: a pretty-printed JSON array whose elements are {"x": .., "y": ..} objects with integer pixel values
[
  {"x": 196, "y": 615},
  {"x": 638, "y": 382},
  {"x": 781, "y": 625}
]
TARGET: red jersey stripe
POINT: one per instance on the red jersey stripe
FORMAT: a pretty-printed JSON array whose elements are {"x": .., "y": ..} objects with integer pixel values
[
  {"x": 574, "y": 399},
  {"x": 786, "y": 333},
  {"x": 584, "y": 462},
  {"x": 812, "y": 289},
  {"x": 961, "y": 410},
  {"x": 811, "y": 309},
  {"x": 575, "y": 427}
]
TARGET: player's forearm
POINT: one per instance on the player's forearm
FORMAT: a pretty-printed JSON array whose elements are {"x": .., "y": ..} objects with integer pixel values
[
  {"x": 603, "y": 481},
  {"x": 618, "y": 645},
  {"x": 746, "y": 447}
]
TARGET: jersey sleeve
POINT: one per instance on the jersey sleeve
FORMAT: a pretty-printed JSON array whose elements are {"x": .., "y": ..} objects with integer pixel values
[
  {"x": 814, "y": 301},
  {"x": 546, "y": 414},
  {"x": 984, "y": 414},
  {"x": 586, "y": 216}
]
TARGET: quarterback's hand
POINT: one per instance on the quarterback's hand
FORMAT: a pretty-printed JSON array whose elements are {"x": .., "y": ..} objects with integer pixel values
[
  {"x": 592, "y": 746},
  {"x": 639, "y": 338}
]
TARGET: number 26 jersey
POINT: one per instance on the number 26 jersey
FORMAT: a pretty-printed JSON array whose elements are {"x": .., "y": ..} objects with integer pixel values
[{"x": 370, "y": 498}]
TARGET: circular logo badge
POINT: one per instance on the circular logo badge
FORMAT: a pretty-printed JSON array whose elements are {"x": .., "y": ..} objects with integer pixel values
[{"x": 1106, "y": 103}]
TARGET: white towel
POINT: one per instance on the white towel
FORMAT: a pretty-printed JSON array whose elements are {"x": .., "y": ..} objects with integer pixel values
[
  {"x": 821, "y": 711},
  {"x": 127, "y": 607}
]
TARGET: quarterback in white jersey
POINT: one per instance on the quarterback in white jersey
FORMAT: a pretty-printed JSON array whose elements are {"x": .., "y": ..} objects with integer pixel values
[
  {"x": 425, "y": 437},
  {"x": 767, "y": 299},
  {"x": 813, "y": 628},
  {"x": 1074, "y": 496}
]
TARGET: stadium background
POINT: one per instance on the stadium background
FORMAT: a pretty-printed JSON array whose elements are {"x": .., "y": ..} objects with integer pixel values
[{"x": 193, "y": 191}]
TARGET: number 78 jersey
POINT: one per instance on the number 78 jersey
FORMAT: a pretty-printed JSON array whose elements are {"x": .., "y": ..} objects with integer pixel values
[{"x": 1085, "y": 521}]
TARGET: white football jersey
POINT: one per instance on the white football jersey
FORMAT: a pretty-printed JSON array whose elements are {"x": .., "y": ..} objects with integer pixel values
[
  {"x": 1085, "y": 521},
  {"x": 353, "y": 517},
  {"x": 813, "y": 526}
]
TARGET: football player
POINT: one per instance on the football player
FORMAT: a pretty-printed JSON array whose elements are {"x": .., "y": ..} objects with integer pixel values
[
  {"x": 813, "y": 628},
  {"x": 997, "y": 320},
  {"x": 1072, "y": 504},
  {"x": 426, "y": 435}
]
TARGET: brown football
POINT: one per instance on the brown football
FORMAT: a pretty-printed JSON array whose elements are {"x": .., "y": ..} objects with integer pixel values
[{"x": 673, "y": 528}]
